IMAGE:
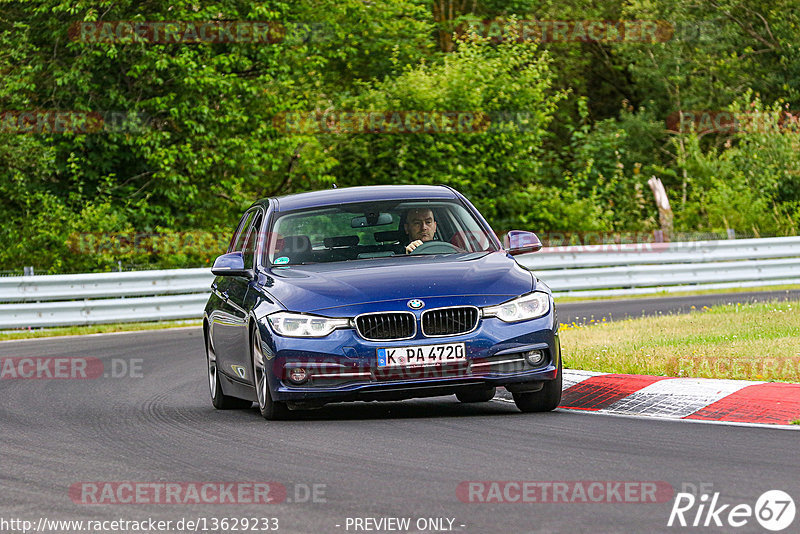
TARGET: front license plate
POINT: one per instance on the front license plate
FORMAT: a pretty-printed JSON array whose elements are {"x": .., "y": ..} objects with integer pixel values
[{"x": 421, "y": 355}]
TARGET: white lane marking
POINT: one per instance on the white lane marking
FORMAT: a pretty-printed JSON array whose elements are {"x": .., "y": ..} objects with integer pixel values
[{"x": 677, "y": 397}]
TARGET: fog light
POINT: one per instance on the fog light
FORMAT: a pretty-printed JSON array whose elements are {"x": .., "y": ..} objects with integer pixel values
[
  {"x": 298, "y": 375},
  {"x": 534, "y": 357}
]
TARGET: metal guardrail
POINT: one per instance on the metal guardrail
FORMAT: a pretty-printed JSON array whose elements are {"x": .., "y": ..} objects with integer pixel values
[
  {"x": 104, "y": 285},
  {"x": 663, "y": 253},
  {"x": 603, "y": 270},
  {"x": 639, "y": 268},
  {"x": 82, "y": 299},
  {"x": 98, "y": 311}
]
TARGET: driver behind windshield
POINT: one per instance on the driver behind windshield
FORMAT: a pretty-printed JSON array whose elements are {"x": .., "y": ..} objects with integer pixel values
[{"x": 420, "y": 227}]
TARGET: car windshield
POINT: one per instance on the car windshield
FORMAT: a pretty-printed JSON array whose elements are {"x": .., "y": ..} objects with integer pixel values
[{"x": 347, "y": 232}]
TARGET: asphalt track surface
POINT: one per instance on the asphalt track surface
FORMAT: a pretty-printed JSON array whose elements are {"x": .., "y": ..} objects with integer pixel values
[{"x": 398, "y": 459}]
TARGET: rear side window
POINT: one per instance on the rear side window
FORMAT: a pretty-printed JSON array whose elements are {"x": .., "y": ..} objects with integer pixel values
[
  {"x": 237, "y": 242},
  {"x": 250, "y": 244}
]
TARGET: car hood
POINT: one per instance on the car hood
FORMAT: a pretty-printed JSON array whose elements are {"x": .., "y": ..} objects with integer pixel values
[{"x": 343, "y": 288}]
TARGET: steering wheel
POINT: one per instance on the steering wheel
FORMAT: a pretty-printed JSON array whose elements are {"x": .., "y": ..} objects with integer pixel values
[{"x": 435, "y": 247}]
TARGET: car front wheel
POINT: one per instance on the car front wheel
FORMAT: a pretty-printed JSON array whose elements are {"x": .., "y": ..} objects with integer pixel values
[
  {"x": 269, "y": 408},
  {"x": 544, "y": 400}
]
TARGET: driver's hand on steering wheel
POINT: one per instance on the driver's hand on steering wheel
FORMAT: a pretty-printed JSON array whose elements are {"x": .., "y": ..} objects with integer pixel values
[{"x": 411, "y": 246}]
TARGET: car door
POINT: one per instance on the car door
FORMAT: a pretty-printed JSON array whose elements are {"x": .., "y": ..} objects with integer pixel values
[
  {"x": 239, "y": 304},
  {"x": 229, "y": 320}
]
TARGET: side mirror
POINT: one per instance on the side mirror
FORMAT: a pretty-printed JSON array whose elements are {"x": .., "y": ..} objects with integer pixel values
[
  {"x": 520, "y": 242},
  {"x": 231, "y": 264}
]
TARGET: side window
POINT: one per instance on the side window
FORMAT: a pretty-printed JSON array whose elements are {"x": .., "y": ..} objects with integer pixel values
[
  {"x": 249, "y": 250},
  {"x": 237, "y": 241}
]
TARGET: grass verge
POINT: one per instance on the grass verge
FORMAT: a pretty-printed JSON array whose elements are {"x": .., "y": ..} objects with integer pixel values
[
  {"x": 93, "y": 329},
  {"x": 731, "y": 290},
  {"x": 759, "y": 341}
]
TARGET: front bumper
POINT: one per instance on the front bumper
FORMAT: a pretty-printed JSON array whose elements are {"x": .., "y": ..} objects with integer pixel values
[{"x": 343, "y": 366}]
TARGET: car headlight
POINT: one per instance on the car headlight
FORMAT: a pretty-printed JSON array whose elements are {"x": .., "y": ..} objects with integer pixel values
[
  {"x": 299, "y": 325},
  {"x": 522, "y": 308}
]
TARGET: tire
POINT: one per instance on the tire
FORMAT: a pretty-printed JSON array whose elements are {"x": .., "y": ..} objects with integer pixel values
[
  {"x": 218, "y": 398},
  {"x": 546, "y": 399},
  {"x": 476, "y": 395},
  {"x": 269, "y": 409}
]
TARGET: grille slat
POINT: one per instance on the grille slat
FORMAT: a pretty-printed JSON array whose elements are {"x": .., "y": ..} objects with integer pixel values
[
  {"x": 402, "y": 325},
  {"x": 385, "y": 326},
  {"x": 449, "y": 321}
]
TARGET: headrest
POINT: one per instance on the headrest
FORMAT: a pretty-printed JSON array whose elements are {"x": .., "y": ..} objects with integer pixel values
[
  {"x": 341, "y": 241},
  {"x": 388, "y": 235},
  {"x": 294, "y": 243}
]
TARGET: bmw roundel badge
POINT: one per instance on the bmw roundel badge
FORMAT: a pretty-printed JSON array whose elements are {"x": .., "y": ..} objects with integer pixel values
[{"x": 416, "y": 304}]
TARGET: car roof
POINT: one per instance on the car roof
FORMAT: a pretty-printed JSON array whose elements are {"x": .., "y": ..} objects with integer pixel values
[{"x": 371, "y": 193}]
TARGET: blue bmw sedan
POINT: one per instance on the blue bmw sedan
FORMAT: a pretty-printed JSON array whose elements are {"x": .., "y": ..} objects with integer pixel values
[{"x": 377, "y": 293}]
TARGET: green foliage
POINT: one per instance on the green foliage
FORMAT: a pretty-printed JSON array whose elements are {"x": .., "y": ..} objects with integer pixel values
[
  {"x": 607, "y": 163},
  {"x": 584, "y": 121},
  {"x": 509, "y": 83},
  {"x": 718, "y": 50},
  {"x": 752, "y": 183}
]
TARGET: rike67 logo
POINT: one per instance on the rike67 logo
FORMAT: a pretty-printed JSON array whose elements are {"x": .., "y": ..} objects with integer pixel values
[{"x": 774, "y": 510}]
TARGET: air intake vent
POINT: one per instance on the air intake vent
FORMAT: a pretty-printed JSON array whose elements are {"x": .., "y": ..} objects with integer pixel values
[
  {"x": 449, "y": 321},
  {"x": 386, "y": 326}
]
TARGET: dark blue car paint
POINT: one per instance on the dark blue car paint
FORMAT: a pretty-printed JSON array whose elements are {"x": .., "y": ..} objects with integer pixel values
[
  {"x": 373, "y": 193},
  {"x": 492, "y": 337},
  {"x": 323, "y": 287},
  {"x": 346, "y": 289}
]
